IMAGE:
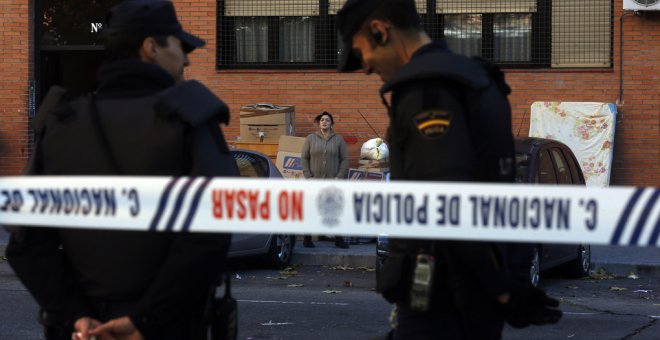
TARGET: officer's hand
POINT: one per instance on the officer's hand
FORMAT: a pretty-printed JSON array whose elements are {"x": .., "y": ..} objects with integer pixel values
[
  {"x": 530, "y": 305},
  {"x": 120, "y": 329},
  {"x": 82, "y": 327}
]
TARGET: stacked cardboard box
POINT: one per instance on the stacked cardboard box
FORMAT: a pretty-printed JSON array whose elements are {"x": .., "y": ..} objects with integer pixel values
[
  {"x": 374, "y": 170},
  {"x": 265, "y": 123},
  {"x": 288, "y": 157}
]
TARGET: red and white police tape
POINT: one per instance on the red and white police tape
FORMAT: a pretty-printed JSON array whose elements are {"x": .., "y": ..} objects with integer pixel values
[{"x": 537, "y": 213}]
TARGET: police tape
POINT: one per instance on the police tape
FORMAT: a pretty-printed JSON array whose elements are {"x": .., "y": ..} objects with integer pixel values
[{"x": 496, "y": 212}]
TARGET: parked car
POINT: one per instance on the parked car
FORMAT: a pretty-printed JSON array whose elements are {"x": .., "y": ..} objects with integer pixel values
[
  {"x": 276, "y": 250},
  {"x": 542, "y": 161},
  {"x": 546, "y": 161}
]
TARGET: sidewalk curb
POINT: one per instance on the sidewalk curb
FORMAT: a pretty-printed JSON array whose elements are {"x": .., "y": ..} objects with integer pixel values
[
  {"x": 333, "y": 259},
  {"x": 625, "y": 269},
  {"x": 354, "y": 260}
]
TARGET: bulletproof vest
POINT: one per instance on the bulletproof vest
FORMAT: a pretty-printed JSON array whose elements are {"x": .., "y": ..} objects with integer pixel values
[
  {"x": 480, "y": 87},
  {"x": 146, "y": 136}
]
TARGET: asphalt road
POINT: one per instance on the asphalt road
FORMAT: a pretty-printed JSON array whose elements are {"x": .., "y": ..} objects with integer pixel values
[{"x": 325, "y": 303}]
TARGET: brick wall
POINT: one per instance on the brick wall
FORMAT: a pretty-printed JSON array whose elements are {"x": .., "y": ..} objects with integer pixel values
[
  {"x": 637, "y": 146},
  {"x": 15, "y": 61}
]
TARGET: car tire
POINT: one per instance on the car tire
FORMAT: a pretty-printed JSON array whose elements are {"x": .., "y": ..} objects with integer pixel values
[
  {"x": 580, "y": 266},
  {"x": 281, "y": 251},
  {"x": 535, "y": 266}
]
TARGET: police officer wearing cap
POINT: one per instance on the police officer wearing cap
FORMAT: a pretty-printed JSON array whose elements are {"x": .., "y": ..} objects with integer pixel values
[
  {"x": 450, "y": 120},
  {"x": 143, "y": 119}
]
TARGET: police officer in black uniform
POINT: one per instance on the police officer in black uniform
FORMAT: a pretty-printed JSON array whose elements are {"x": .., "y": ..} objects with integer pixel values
[
  {"x": 142, "y": 120},
  {"x": 449, "y": 121}
]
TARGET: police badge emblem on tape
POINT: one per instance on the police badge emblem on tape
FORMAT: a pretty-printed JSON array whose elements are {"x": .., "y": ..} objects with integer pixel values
[
  {"x": 330, "y": 204},
  {"x": 430, "y": 210}
]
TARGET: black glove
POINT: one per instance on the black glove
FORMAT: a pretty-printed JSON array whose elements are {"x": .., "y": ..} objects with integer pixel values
[{"x": 530, "y": 305}]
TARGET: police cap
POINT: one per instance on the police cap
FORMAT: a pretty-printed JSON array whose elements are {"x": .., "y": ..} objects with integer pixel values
[
  {"x": 349, "y": 20},
  {"x": 149, "y": 18}
]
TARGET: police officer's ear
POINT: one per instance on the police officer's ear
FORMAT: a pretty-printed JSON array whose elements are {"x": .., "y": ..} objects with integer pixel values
[
  {"x": 378, "y": 37},
  {"x": 379, "y": 32},
  {"x": 148, "y": 49}
]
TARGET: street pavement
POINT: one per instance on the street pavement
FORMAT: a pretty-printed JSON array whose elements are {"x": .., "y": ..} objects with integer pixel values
[{"x": 620, "y": 261}]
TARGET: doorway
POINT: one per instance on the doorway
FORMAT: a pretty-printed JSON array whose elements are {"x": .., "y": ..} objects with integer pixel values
[{"x": 75, "y": 70}]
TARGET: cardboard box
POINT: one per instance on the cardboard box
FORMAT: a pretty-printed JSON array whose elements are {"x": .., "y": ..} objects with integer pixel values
[
  {"x": 265, "y": 123},
  {"x": 374, "y": 176},
  {"x": 356, "y": 174},
  {"x": 267, "y": 114},
  {"x": 367, "y": 175},
  {"x": 386, "y": 169},
  {"x": 290, "y": 165},
  {"x": 264, "y": 133},
  {"x": 291, "y": 143},
  {"x": 368, "y": 163},
  {"x": 383, "y": 175}
]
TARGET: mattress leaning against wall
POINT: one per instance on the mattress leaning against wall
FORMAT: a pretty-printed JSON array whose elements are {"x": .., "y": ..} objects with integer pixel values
[{"x": 586, "y": 127}]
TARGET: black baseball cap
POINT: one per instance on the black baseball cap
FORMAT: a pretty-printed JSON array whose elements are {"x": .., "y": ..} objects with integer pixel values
[
  {"x": 349, "y": 20},
  {"x": 149, "y": 17}
]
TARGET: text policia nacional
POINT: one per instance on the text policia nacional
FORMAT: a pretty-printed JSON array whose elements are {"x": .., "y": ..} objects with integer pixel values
[
  {"x": 378, "y": 208},
  {"x": 483, "y": 211}
]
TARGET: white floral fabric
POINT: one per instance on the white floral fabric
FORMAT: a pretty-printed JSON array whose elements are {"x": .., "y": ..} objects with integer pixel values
[{"x": 587, "y": 128}]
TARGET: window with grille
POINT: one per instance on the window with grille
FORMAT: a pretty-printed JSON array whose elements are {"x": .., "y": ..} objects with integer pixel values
[{"x": 511, "y": 33}]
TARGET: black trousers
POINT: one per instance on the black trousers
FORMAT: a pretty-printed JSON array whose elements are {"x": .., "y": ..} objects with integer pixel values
[
  {"x": 444, "y": 321},
  {"x": 191, "y": 325}
]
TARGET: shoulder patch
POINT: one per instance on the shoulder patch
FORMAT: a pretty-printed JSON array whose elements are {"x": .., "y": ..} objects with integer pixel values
[{"x": 433, "y": 124}]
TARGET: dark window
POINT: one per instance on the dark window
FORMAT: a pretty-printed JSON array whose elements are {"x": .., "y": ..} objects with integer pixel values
[
  {"x": 522, "y": 168},
  {"x": 66, "y": 23},
  {"x": 526, "y": 33},
  {"x": 277, "y": 34},
  {"x": 511, "y": 33},
  {"x": 546, "y": 171},
  {"x": 573, "y": 166},
  {"x": 503, "y": 38},
  {"x": 563, "y": 172}
]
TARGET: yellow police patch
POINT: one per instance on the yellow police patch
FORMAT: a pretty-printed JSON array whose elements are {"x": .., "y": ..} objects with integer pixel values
[{"x": 433, "y": 124}]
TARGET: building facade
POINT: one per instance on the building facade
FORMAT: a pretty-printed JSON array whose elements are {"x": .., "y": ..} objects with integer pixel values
[{"x": 284, "y": 52}]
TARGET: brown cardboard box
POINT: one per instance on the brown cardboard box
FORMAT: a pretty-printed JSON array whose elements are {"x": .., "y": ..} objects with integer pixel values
[
  {"x": 264, "y": 133},
  {"x": 386, "y": 169},
  {"x": 368, "y": 163},
  {"x": 290, "y": 165},
  {"x": 267, "y": 114},
  {"x": 291, "y": 143},
  {"x": 265, "y": 123},
  {"x": 288, "y": 157}
]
